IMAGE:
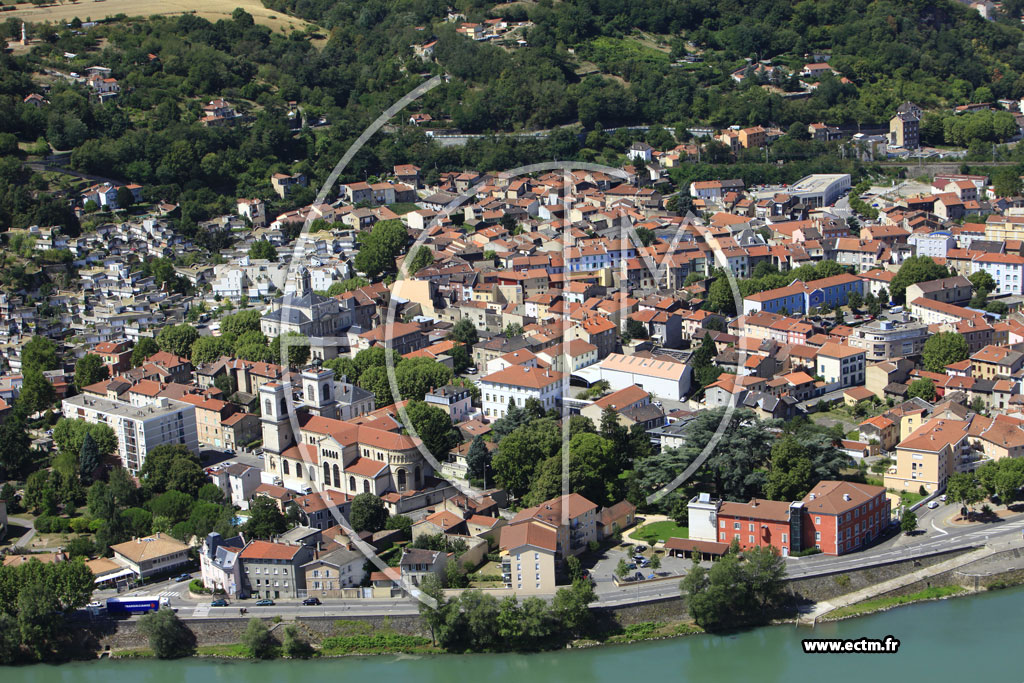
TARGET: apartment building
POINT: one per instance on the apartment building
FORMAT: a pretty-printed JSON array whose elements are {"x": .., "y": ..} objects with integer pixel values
[
  {"x": 841, "y": 365},
  {"x": 518, "y": 383},
  {"x": 929, "y": 456},
  {"x": 884, "y": 339},
  {"x": 274, "y": 570},
  {"x": 139, "y": 429}
]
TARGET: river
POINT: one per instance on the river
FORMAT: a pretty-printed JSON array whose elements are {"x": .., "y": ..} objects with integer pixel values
[{"x": 963, "y": 639}]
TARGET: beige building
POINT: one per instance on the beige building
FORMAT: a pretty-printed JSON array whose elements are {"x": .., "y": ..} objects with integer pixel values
[
  {"x": 929, "y": 456},
  {"x": 884, "y": 339},
  {"x": 528, "y": 559},
  {"x": 151, "y": 555},
  {"x": 573, "y": 517},
  {"x": 619, "y": 401},
  {"x": 841, "y": 364},
  {"x": 334, "y": 574}
]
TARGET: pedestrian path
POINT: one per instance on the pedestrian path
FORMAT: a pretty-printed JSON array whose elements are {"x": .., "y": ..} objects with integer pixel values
[
  {"x": 822, "y": 608},
  {"x": 201, "y": 610}
]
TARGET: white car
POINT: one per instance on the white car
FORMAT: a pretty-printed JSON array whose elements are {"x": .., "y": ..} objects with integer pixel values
[{"x": 932, "y": 505}]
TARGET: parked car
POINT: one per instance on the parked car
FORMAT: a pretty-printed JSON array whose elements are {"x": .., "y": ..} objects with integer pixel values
[
  {"x": 311, "y": 601},
  {"x": 932, "y": 505},
  {"x": 265, "y": 602},
  {"x": 631, "y": 566},
  {"x": 639, "y": 576},
  {"x": 183, "y": 577},
  {"x": 219, "y": 602},
  {"x": 645, "y": 563},
  {"x": 943, "y": 497}
]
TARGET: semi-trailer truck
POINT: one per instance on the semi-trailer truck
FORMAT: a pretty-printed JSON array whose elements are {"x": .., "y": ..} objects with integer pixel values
[{"x": 135, "y": 605}]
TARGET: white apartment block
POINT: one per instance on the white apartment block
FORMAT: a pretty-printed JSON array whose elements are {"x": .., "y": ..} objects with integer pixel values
[
  {"x": 519, "y": 383},
  {"x": 139, "y": 429},
  {"x": 1006, "y": 269}
]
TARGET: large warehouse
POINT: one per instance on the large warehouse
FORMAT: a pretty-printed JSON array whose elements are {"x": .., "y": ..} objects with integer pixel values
[
  {"x": 820, "y": 189},
  {"x": 662, "y": 377}
]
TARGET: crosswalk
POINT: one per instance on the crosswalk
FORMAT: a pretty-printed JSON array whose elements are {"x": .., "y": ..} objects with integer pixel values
[
  {"x": 169, "y": 594},
  {"x": 201, "y": 610}
]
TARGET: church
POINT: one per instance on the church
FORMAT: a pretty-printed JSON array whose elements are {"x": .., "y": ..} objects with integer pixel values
[
  {"x": 365, "y": 454},
  {"x": 321, "y": 318}
]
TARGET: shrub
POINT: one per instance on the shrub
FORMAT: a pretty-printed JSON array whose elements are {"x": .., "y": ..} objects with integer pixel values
[
  {"x": 168, "y": 635},
  {"x": 805, "y": 552},
  {"x": 594, "y": 546},
  {"x": 196, "y": 586},
  {"x": 258, "y": 639}
]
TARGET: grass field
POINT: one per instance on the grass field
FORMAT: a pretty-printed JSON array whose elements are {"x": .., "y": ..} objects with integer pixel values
[
  {"x": 883, "y": 603},
  {"x": 660, "y": 531},
  {"x": 208, "y": 9}
]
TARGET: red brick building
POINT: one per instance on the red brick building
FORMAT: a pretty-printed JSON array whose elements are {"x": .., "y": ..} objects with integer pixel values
[
  {"x": 841, "y": 516},
  {"x": 116, "y": 355},
  {"x": 757, "y": 524},
  {"x": 836, "y": 516}
]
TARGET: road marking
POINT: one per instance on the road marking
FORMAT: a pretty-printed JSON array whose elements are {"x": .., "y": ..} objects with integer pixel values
[{"x": 941, "y": 532}]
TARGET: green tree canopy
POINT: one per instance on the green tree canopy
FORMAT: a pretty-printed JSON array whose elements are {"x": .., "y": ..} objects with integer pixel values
[
  {"x": 90, "y": 369},
  {"x": 942, "y": 349},
  {"x": 368, "y": 513}
]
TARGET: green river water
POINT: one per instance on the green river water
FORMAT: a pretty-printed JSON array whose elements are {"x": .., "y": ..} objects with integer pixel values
[{"x": 977, "y": 638}]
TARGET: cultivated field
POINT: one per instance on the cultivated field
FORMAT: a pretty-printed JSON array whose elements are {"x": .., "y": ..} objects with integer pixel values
[{"x": 208, "y": 9}]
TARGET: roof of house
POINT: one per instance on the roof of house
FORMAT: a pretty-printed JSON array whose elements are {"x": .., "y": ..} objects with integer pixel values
[
  {"x": 529, "y": 533},
  {"x": 142, "y": 549},
  {"x": 265, "y": 550},
  {"x": 836, "y": 497},
  {"x": 757, "y": 508}
]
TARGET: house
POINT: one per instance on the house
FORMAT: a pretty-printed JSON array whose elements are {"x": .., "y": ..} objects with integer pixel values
[
  {"x": 661, "y": 376},
  {"x": 844, "y": 516},
  {"x": 151, "y": 555},
  {"x": 904, "y": 130},
  {"x": 418, "y": 563},
  {"x": 517, "y": 383},
  {"x": 329, "y": 574},
  {"x": 882, "y": 429},
  {"x": 238, "y": 482},
  {"x": 615, "y": 519},
  {"x": 274, "y": 570},
  {"x": 929, "y": 456},
  {"x": 285, "y": 184},
  {"x": 529, "y": 557},
  {"x": 455, "y": 401},
  {"x": 220, "y": 570},
  {"x": 573, "y": 517},
  {"x": 841, "y": 365},
  {"x": 618, "y": 401},
  {"x": 954, "y": 290},
  {"x": 323, "y": 510}
]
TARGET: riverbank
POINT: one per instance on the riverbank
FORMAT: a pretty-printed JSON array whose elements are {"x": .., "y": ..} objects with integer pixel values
[{"x": 934, "y": 639}]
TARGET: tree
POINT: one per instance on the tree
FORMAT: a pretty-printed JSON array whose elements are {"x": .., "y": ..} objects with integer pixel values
[
  {"x": 513, "y": 330},
  {"x": 923, "y": 388},
  {"x": 262, "y": 250},
  {"x": 177, "y": 339},
  {"x": 439, "y": 615},
  {"x": 37, "y": 394},
  {"x": 297, "y": 349},
  {"x": 1003, "y": 478},
  {"x": 965, "y": 489},
  {"x": 209, "y": 349},
  {"x": 1006, "y": 183},
  {"x": 143, "y": 349},
  {"x": 943, "y": 349},
  {"x": 478, "y": 460},
  {"x": 434, "y": 428},
  {"x": 172, "y": 467},
  {"x": 421, "y": 258},
  {"x": 39, "y": 354},
  {"x": 915, "y": 269},
  {"x": 90, "y": 369},
  {"x": 257, "y": 639},
  {"x": 464, "y": 331},
  {"x": 265, "y": 519},
  {"x": 791, "y": 474},
  {"x": 636, "y": 329},
  {"x": 731, "y": 594},
  {"x": 168, "y": 635},
  {"x": 239, "y": 323},
  {"x": 295, "y": 646},
  {"x": 981, "y": 280},
  {"x": 573, "y": 568},
  {"x": 368, "y": 513},
  {"x": 521, "y": 452},
  {"x": 908, "y": 523},
  {"x": 854, "y": 300},
  {"x": 89, "y": 458},
  {"x": 570, "y": 606},
  {"x": 417, "y": 376},
  {"x": 400, "y": 523},
  {"x": 622, "y": 569},
  {"x": 655, "y": 562}
]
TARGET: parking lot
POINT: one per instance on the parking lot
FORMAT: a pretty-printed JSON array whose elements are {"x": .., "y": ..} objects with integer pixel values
[{"x": 603, "y": 570}]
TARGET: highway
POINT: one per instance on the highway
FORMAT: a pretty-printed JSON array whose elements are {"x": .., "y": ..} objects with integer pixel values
[{"x": 930, "y": 540}]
